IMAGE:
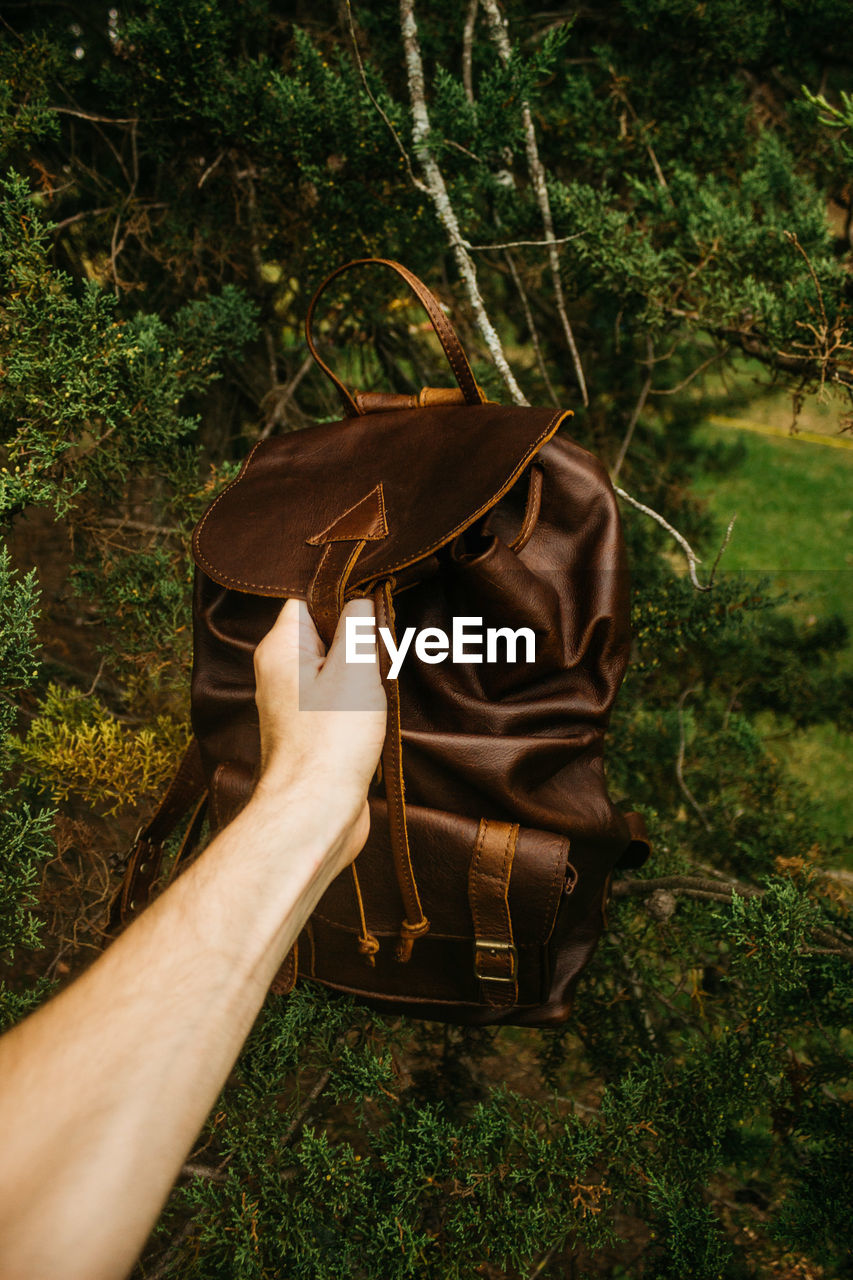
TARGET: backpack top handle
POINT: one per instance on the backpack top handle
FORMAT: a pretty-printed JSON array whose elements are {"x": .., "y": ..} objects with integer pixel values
[{"x": 442, "y": 326}]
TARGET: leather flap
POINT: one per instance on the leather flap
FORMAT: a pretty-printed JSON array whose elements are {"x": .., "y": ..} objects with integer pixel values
[
  {"x": 442, "y": 845},
  {"x": 403, "y": 483}
]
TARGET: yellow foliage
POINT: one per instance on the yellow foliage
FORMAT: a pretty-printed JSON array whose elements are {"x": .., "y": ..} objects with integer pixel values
[{"x": 76, "y": 746}]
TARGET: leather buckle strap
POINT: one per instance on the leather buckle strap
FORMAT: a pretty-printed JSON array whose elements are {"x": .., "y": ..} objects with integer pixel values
[
  {"x": 495, "y": 953},
  {"x": 489, "y": 950}
]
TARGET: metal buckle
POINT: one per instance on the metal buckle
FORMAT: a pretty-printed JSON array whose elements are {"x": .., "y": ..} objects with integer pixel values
[{"x": 485, "y": 945}]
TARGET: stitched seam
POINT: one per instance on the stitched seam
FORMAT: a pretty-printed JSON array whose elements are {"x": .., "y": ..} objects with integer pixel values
[
  {"x": 475, "y": 874},
  {"x": 506, "y": 869},
  {"x": 410, "y": 896},
  {"x": 275, "y": 590},
  {"x": 344, "y": 578},
  {"x": 316, "y": 587},
  {"x": 210, "y": 510},
  {"x": 531, "y": 511},
  {"x": 513, "y": 476},
  {"x": 506, "y": 865},
  {"x": 411, "y": 899},
  {"x": 559, "y": 870},
  {"x": 316, "y": 539},
  {"x": 450, "y": 343}
]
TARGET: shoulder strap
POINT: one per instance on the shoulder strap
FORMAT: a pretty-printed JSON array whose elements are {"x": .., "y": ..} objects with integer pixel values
[
  {"x": 185, "y": 792},
  {"x": 440, "y": 323}
]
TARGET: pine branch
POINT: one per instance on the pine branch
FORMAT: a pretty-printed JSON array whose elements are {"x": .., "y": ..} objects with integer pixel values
[{"x": 701, "y": 890}]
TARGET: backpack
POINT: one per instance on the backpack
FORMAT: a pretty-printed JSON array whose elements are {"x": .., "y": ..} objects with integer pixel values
[{"x": 480, "y": 894}]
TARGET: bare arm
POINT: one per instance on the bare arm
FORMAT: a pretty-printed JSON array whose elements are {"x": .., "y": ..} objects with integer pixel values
[{"x": 104, "y": 1089}]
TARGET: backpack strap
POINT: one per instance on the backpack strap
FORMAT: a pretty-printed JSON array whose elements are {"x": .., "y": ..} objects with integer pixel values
[
  {"x": 354, "y": 406},
  {"x": 495, "y": 955},
  {"x": 415, "y": 922},
  {"x": 186, "y": 792}
]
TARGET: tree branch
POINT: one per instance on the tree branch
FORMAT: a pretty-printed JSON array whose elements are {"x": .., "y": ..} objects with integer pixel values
[
  {"x": 468, "y": 49},
  {"x": 521, "y": 244},
  {"x": 437, "y": 191},
  {"x": 690, "y": 554},
  {"x": 721, "y": 891},
  {"x": 638, "y": 409},
  {"x": 416, "y": 182},
  {"x": 497, "y": 26},
  {"x": 679, "y": 762},
  {"x": 531, "y": 325}
]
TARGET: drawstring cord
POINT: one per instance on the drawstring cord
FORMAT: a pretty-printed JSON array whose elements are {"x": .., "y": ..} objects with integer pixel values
[{"x": 368, "y": 943}]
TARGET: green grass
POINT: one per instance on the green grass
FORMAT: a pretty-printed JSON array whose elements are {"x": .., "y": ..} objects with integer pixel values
[{"x": 794, "y": 505}]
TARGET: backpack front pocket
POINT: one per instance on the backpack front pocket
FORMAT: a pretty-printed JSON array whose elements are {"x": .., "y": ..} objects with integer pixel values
[{"x": 491, "y": 892}]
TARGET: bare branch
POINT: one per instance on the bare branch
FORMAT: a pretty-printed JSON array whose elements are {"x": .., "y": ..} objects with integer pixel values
[
  {"x": 138, "y": 526},
  {"x": 725, "y": 542},
  {"x": 209, "y": 170},
  {"x": 416, "y": 182},
  {"x": 468, "y": 48},
  {"x": 685, "y": 382},
  {"x": 86, "y": 115},
  {"x": 497, "y": 26},
  {"x": 715, "y": 891},
  {"x": 531, "y": 325},
  {"x": 282, "y": 397},
  {"x": 791, "y": 237},
  {"x": 437, "y": 190},
  {"x": 521, "y": 244},
  {"x": 679, "y": 762},
  {"x": 690, "y": 554},
  {"x": 820, "y": 366},
  {"x": 78, "y": 217},
  {"x": 638, "y": 409}
]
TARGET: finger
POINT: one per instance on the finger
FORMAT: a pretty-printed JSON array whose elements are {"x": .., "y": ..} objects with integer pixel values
[{"x": 353, "y": 668}]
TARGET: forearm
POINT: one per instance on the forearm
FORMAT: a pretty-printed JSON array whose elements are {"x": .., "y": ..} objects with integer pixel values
[{"x": 119, "y": 1072}]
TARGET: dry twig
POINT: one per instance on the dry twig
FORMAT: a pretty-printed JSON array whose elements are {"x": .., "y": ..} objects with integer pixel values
[
  {"x": 690, "y": 554},
  {"x": 679, "y": 762},
  {"x": 497, "y": 26},
  {"x": 638, "y": 409},
  {"x": 468, "y": 48}
]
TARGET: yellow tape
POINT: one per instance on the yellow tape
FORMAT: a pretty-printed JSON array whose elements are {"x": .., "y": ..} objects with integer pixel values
[{"x": 764, "y": 429}]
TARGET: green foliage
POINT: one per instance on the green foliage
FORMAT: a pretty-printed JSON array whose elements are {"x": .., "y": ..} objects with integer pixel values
[
  {"x": 74, "y": 375},
  {"x": 73, "y": 744},
  {"x": 25, "y": 830}
]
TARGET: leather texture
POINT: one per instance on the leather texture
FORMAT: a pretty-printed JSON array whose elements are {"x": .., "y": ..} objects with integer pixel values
[{"x": 479, "y": 896}]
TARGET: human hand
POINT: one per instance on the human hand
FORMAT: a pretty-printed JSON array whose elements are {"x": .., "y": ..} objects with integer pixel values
[{"x": 322, "y": 723}]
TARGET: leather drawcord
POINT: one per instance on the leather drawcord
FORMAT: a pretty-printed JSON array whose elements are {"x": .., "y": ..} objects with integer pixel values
[
  {"x": 415, "y": 923},
  {"x": 368, "y": 943}
]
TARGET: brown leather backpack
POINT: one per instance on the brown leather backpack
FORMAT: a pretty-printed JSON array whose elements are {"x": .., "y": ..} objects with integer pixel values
[{"x": 480, "y": 894}]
